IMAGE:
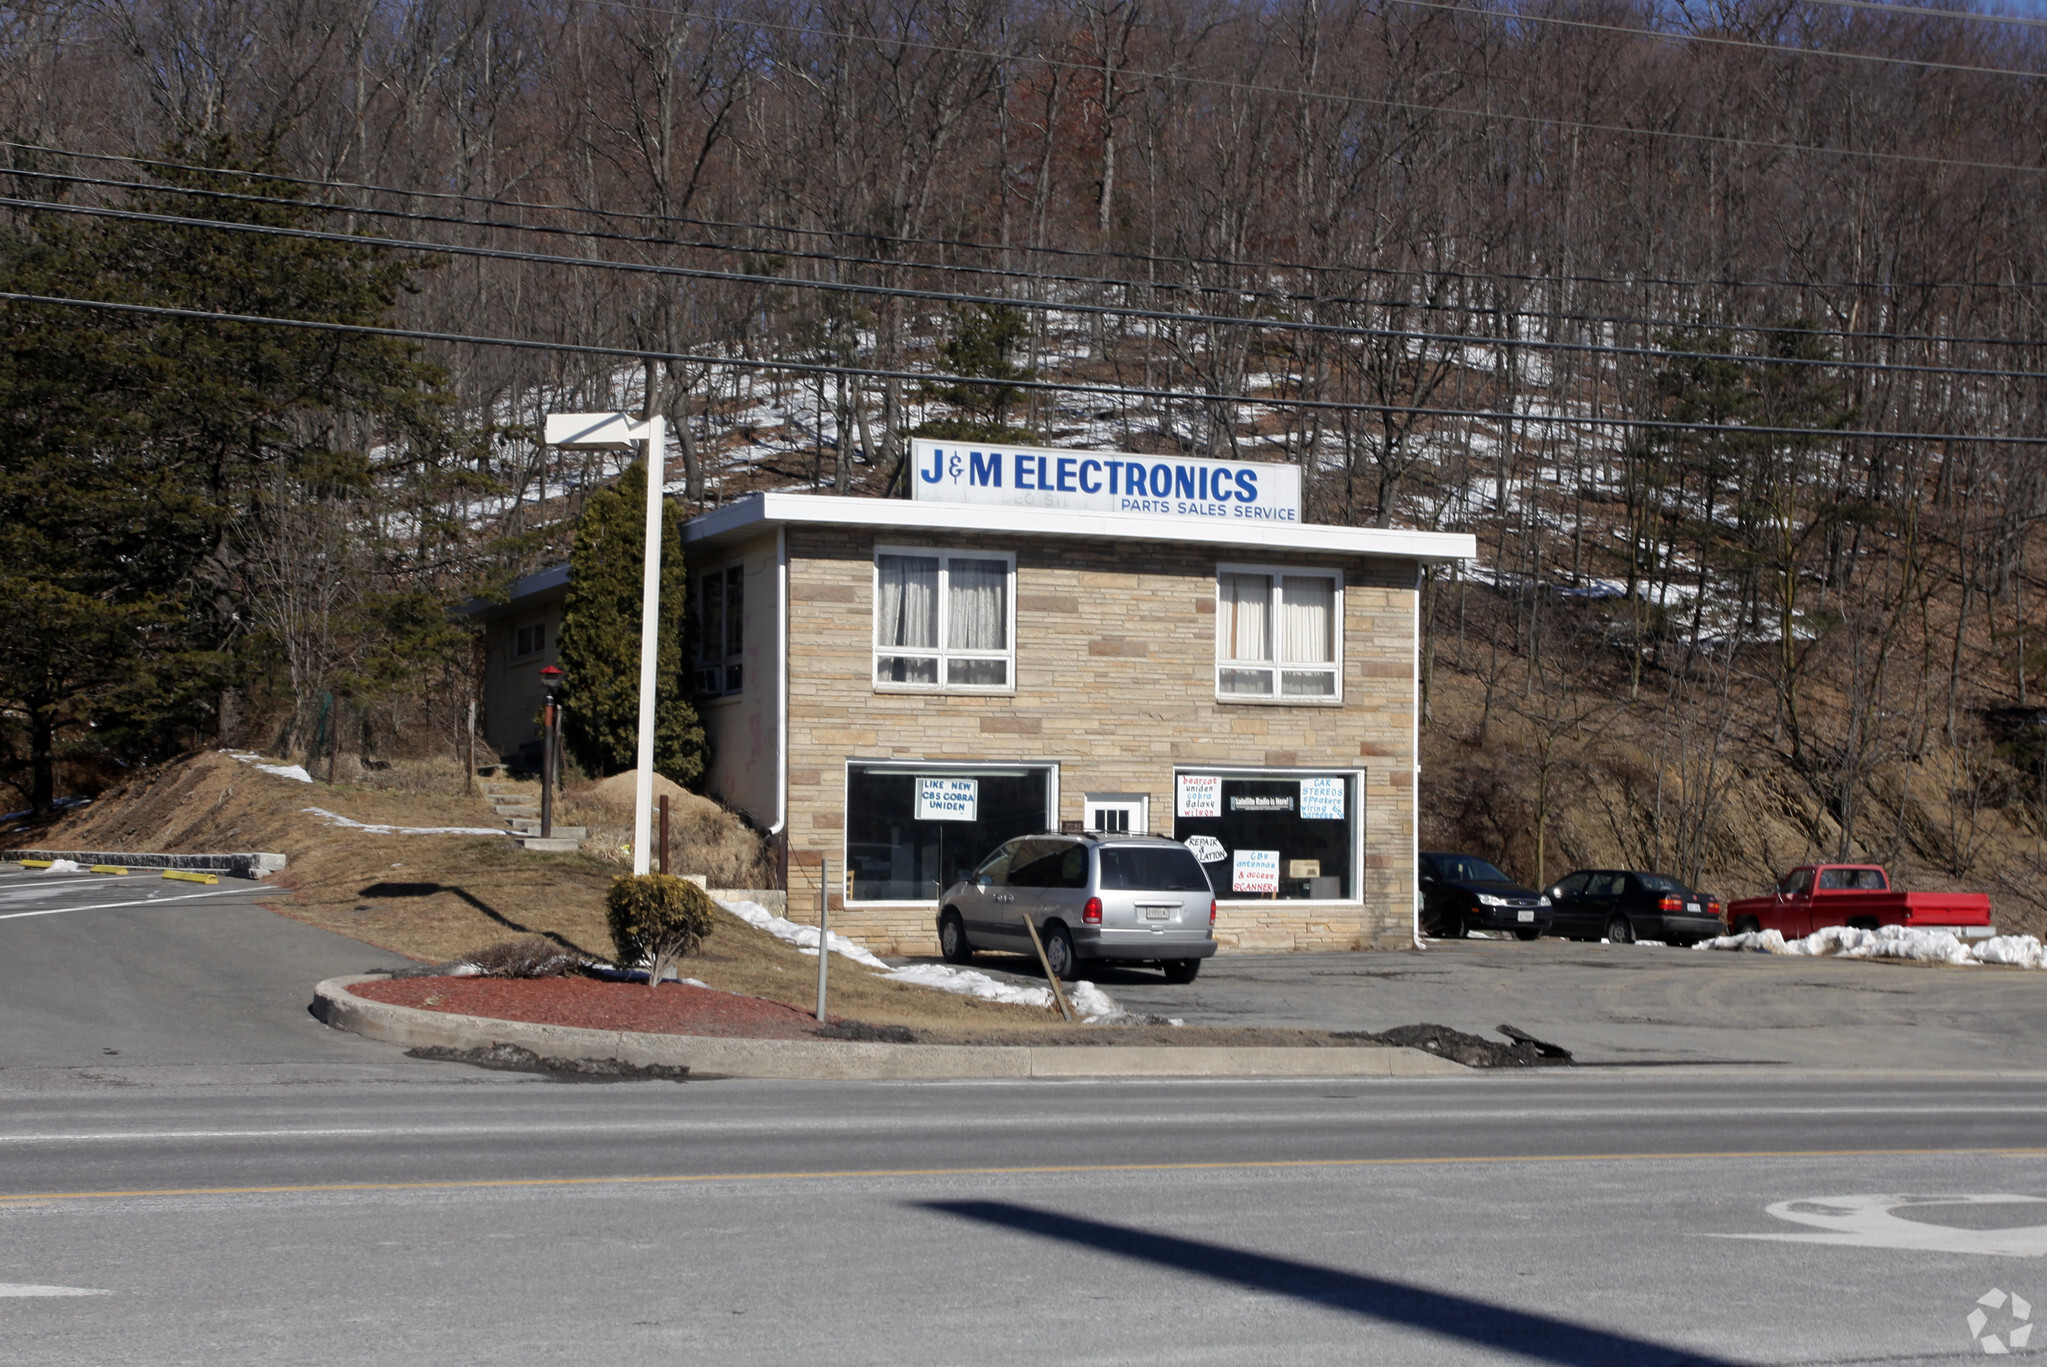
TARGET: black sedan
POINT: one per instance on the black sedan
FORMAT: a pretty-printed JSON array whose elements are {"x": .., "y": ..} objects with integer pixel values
[
  {"x": 1624, "y": 905},
  {"x": 1462, "y": 893}
]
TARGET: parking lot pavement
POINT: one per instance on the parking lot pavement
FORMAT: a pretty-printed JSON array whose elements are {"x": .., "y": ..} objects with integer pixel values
[
  {"x": 1612, "y": 1004},
  {"x": 115, "y": 973}
]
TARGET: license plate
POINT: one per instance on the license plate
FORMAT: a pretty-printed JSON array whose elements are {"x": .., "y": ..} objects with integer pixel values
[
  {"x": 1524, "y": 916},
  {"x": 1691, "y": 906},
  {"x": 1157, "y": 914}
]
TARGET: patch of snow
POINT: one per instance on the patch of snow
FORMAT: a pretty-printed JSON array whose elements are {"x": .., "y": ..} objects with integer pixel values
[
  {"x": 291, "y": 771},
  {"x": 1094, "y": 1005},
  {"x": 1653, "y": 944},
  {"x": 373, "y": 828},
  {"x": 64, "y": 866},
  {"x": 1890, "y": 942}
]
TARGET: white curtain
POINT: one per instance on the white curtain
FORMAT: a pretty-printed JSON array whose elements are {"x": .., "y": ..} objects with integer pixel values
[
  {"x": 908, "y": 614},
  {"x": 1307, "y": 620},
  {"x": 978, "y": 610},
  {"x": 1241, "y": 631}
]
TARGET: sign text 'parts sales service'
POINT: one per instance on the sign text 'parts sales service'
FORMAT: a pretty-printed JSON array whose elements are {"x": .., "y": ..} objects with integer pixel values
[{"x": 1177, "y": 487}]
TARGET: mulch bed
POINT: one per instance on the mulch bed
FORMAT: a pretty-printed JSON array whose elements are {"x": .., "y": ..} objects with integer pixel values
[{"x": 588, "y": 1004}]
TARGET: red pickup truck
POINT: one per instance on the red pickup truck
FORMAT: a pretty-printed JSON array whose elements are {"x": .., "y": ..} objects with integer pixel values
[{"x": 1813, "y": 896}]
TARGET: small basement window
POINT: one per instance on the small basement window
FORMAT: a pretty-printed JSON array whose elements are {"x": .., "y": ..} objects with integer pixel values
[
  {"x": 1278, "y": 634},
  {"x": 721, "y": 636},
  {"x": 944, "y": 621}
]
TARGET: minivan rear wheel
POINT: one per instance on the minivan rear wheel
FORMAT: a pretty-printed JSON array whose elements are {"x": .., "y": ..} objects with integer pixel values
[
  {"x": 1059, "y": 955},
  {"x": 952, "y": 939},
  {"x": 1182, "y": 970}
]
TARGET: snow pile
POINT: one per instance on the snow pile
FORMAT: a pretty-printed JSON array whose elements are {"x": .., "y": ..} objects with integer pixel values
[
  {"x": 336, "y": 819},
  {"x": 1094, "y": 1005},
  {"x": 64, "y": 866},
  {"x": 1890, "y": 942},
  {"x": 290, "y": 771}
]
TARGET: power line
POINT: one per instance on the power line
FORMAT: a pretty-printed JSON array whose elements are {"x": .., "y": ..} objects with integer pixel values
[
  {"x": 1921, "y": 12},
  {"x": 1681, "y": 36},
  {"x": 965, "y": 244},
  {"x": 996, "y": 301},
  {"x": 1055, "y": 386}
]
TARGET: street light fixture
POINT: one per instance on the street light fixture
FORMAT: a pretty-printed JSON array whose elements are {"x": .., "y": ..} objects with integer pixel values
[{"x": 623, "y": 431}]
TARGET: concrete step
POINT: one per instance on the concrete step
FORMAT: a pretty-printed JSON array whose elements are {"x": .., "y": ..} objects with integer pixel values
[
  {"x": 517, "y": 809},
  {"x": 530, "y": 826},
  {"x": 552, "y": 845}
]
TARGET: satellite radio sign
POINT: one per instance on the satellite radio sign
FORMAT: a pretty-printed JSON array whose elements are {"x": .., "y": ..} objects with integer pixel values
[{"x": 1177, "y": 487}]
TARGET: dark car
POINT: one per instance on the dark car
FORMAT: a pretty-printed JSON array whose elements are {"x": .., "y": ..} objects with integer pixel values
[
  {"x": 1462, "y": 893},
  {"x": 1624, "y": 905}
]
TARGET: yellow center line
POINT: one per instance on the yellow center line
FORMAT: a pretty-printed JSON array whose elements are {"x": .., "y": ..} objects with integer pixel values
[{"x": 1273, "y": 1164}]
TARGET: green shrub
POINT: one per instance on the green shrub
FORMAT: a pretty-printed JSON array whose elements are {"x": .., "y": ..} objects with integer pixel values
[{"x": 657, "y": 918}]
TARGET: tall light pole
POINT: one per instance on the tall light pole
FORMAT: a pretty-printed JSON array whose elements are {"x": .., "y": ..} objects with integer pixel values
[{"x": 622, "y": 431}]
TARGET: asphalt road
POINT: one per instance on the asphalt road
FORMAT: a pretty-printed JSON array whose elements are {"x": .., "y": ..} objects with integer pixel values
[
  {"x": 1626, "y": 1004},
  {"x": 307, "y": 1195}
]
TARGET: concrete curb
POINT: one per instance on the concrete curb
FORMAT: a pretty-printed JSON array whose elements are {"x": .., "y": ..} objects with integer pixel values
[
  {"x": 240, "y": 865},
  {"x": 846, "y": 1060}
]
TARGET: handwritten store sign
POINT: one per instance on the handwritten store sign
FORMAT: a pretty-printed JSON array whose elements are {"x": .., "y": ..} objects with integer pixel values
[
  {"x": 1255, "y": 871},
  {"x": 948, "y": 799},
  {"x": 1322, "y": 799},
  {"x": 1199, "y": 795},
  {"x": 1178, "y": 487}
]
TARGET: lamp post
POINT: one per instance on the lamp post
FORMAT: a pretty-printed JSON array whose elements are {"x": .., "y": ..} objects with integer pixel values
[
  {"x": 622, "y": 431},
  {"x": 550, "y": 748}
]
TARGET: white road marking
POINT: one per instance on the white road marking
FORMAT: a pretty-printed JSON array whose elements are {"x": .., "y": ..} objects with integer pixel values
[
  {"x": 16, "y": 1289},
  {"x": 102, "y": 906},
  {"x": 1870, "y": 1222}
]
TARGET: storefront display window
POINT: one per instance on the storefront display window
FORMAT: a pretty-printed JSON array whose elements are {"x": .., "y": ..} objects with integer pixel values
[
  {"x": 912, "y": 830},
  {"x": 1289, "y": 836}
]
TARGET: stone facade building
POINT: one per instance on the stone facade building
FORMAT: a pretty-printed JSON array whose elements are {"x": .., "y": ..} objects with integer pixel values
[{"x": 892, "y": 688}]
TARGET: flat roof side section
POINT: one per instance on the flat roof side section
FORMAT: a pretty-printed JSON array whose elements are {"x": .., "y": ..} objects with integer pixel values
[
  {"x": 541, "y": 584},
  {"x": 758, "y": 512}
]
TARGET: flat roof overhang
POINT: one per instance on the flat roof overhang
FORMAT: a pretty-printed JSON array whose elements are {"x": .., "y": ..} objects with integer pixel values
[
  {"x": 764, "y": 512},
  {"x": 519, "y": 594}
]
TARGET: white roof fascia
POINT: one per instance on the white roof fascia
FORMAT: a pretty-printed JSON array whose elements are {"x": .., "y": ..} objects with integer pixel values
[{"x": 762, "y": 512}]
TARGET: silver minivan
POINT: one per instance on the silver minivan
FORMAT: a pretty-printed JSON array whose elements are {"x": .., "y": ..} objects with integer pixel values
[{"x": 1131, "y": 898}]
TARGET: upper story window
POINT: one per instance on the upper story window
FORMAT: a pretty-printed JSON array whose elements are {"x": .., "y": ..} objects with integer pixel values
[
  {"x": 721, "y": 620},
  {"x": 944, "y": 620},
  {"x": 529, "y": 640},
  {"x": 1278, "y": 634}
]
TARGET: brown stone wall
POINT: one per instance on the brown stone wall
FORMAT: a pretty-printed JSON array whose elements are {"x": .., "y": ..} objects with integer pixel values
[{"x": 1115, "y": 673}]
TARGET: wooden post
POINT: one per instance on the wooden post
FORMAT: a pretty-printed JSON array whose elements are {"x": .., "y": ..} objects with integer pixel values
[
  {"x": 547, "y": 772},
  {"x": 664, "y": 832},
  {"x": 1046, "y": 964}
]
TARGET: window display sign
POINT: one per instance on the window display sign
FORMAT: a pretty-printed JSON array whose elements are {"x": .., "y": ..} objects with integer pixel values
[
  {"x": 1200, "y": 795},
  {"x": 1322, "y": 799},
  {"x": 1294, "y": 833},
  {"x": 948, "y": 799},
  {"x": 1256, "y": 872}
]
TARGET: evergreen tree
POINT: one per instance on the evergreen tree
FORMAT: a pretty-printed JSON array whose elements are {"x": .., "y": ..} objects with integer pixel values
[
  {"x": 600, "y": 640},
  {"x": 985, "y": 336}
]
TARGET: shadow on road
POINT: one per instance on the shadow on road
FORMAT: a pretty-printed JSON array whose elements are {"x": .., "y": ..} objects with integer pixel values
[{"x": 1545, "y": 1338}]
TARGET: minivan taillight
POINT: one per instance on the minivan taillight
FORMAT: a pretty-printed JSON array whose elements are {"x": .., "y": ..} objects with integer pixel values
[{"x": 1092, "y": 912}]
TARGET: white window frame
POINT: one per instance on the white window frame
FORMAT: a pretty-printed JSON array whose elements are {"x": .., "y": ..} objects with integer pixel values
[
  {"x": 722, "y": 664},
  {"x": 1277, "y": 666},
  {"x": 1356, "y": 797},
  {"x": 943, "y": 654}
]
